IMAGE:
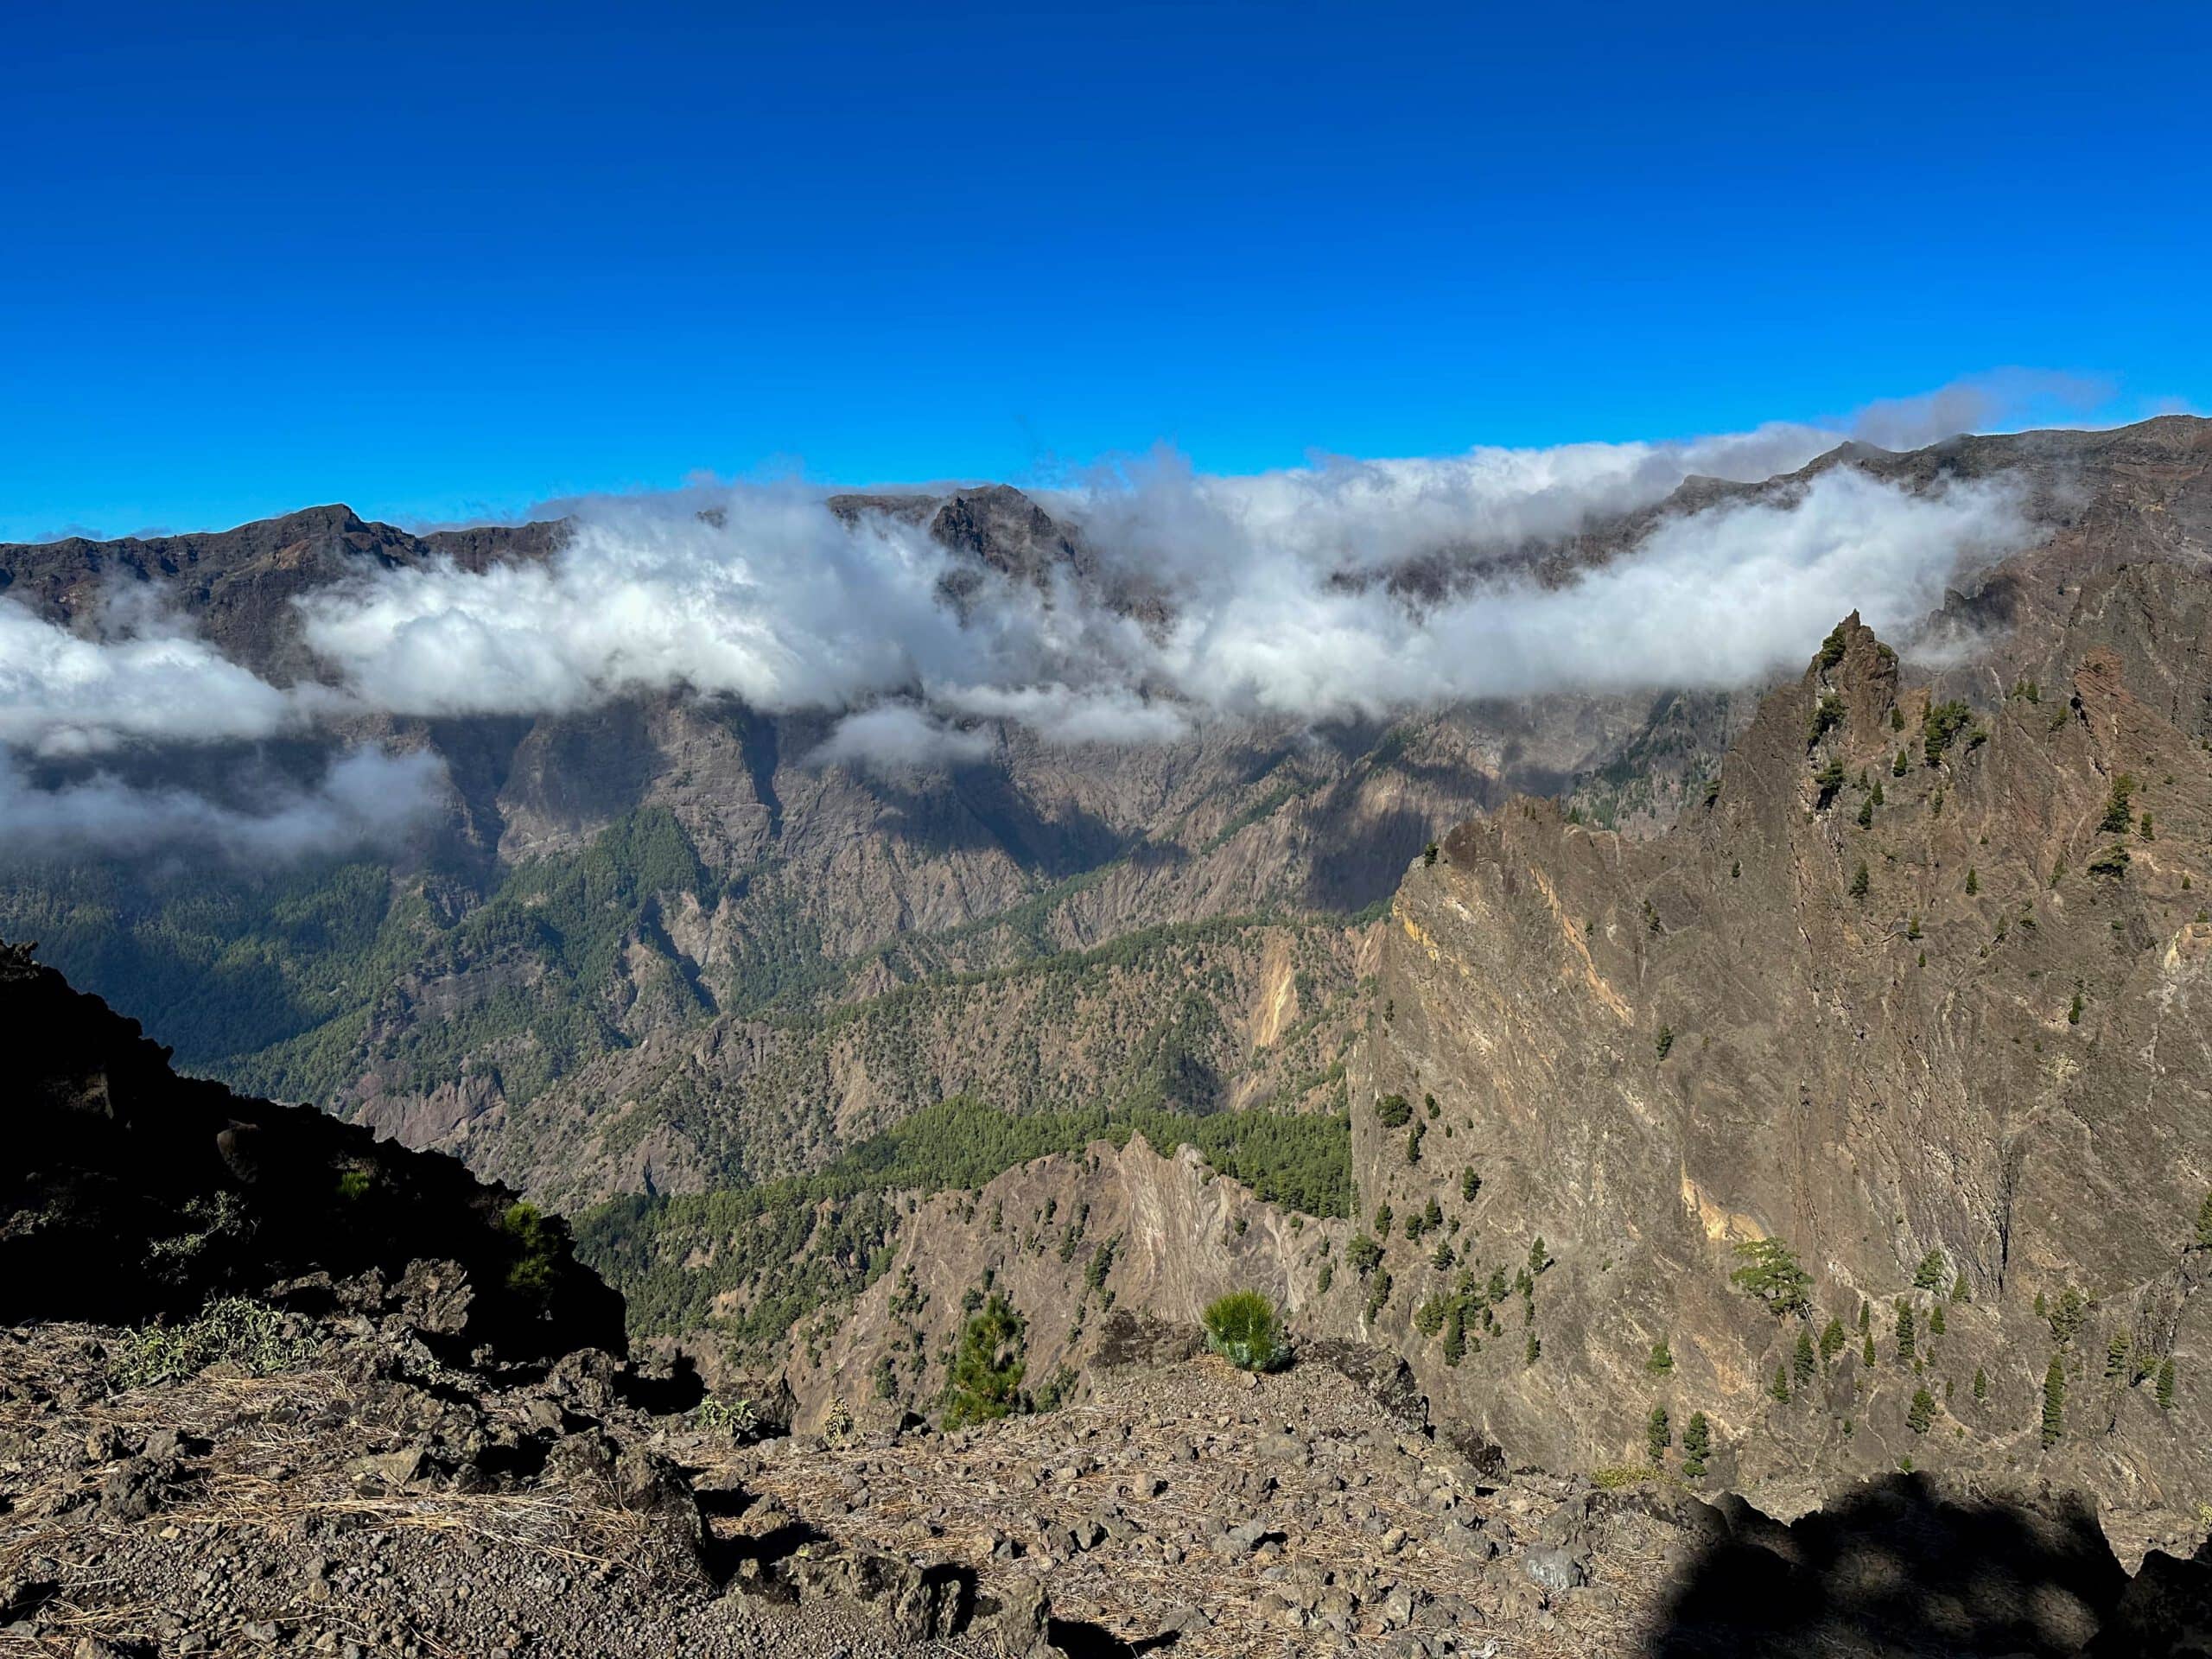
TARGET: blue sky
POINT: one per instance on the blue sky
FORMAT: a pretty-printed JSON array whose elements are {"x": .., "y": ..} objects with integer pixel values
[{"x": 444, "y": 261}]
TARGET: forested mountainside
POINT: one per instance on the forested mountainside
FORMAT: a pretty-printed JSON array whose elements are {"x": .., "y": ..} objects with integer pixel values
[{"x": 658, "y": 945}]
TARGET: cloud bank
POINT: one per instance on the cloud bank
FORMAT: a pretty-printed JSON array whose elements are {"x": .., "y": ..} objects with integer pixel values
[
  {"x": 768, "y": 598},
  {"x": 1267, "y": 597},
  {"x": 369, "y": 797}
]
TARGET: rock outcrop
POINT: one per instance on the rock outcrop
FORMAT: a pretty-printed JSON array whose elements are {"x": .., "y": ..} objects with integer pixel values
[{"x": 1914, "y": 995}]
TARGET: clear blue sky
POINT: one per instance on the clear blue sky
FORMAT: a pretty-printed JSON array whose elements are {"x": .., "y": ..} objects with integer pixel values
[{"x": 437, "y": 261}]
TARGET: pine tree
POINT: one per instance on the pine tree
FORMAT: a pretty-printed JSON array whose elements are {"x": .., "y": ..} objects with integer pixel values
[
  {"x": 1860, "y": 881},
  {"x": 2053, "y": 1402},
  {"x": 1904, "y": 1332},
  {"x": 2165, "y": 1385},
  {"x": 2115, "y": 1354},
  {"x": 1973, "y": 882},
  {"x": 1865, "y": 1315},
  {"x": 1455, "y": 1332},
  {"x": 1539, "y": 1257},
  {"x": 1922, "y": 1412},
  {"x": 1663, "y": 1358},
  {"x": 1831, "y": 1341},
  {"x": 985, "y": 1379},
  {"x": 1470, "y": 1183},
  {"x": 1780, "y": 1387},
  {"x": 1657, "y": 1436},
  {"x": 2204, "y": 1224},
  {"x": 1770, "y": 1273},
  {"x": 1697, "y": 1446},
  {"x": 1531, "y": 1350},
  {"x": 1866, "y": 1350},
  {"x": 1959, "y": 1291},
  {"x": 1935, "y": 1327},
  {"x": 1803, "y": 1363},
  {"x": 1981, "y": 1386},
  {"x": 1930, "y": 1275}
]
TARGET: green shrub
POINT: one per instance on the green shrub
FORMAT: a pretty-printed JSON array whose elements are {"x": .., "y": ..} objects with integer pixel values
[
  {"x": 1827, "y": 715},
  {"x": 1942, "y": 723},
  {"x": 1245, "y": 1329},
  {"x": 1771, "y": 1273},
  {"x": 2118, "y": 813},
  {"x": 1923, "y": 1411},
  {"x": 1394, "y": 1111},
  {"x": 230, "y": 1330},
  {"x": 985, "y": 1380},
  {"x": 1697, "y": 1446},
  {"x": 730, "y": 1419},
  {"x": 536, "y": 1241}
]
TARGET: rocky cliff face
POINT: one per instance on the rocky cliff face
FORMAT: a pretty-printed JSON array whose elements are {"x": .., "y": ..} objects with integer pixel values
[{"x": 1915, "y": 994}]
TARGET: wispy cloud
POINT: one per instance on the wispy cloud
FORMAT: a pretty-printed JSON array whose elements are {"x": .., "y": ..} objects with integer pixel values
[{"x": 369, "y": 797}]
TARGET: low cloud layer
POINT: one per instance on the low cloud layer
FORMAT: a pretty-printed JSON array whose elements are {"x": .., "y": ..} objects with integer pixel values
[
  {"x": 369, "y": 797},
  {"x": 770, "y": 598},
  {"x": 61, "y": 695},
  {"x": 1266, "y": 597}
]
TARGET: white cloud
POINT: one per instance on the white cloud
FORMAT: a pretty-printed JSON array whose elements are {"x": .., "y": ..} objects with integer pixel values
[
  {"x": 895, "y": 737},
  {"x": 63, "y": 695},
  {"x": 758, "y": 593},
  {"x": 1725, "y": 597},
  {"x": 1062, "y": 714},
  {"x": 369, "y": 797}
]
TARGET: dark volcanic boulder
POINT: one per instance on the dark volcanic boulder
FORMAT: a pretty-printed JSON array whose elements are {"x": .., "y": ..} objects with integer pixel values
[{"x": 128, "y": 1194}]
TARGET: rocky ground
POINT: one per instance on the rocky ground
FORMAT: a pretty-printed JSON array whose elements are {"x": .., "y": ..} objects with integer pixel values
[
  {"x": 1194, "y": 1505},
  {"x": 340, "y": 1483},
  {"x": 366, "y": 1499}
]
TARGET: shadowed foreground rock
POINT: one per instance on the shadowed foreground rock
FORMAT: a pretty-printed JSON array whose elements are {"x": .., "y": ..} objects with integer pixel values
[{"x": 129, "y": 1193}]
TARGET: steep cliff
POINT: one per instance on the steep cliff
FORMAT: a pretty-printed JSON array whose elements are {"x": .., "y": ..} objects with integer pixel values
[{"x": 1915, "y": 993}]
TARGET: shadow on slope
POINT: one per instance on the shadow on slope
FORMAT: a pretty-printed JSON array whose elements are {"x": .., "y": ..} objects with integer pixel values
[
  {"x": 1898, "y": 1568},
  {"x": 129, "y": 1193}
]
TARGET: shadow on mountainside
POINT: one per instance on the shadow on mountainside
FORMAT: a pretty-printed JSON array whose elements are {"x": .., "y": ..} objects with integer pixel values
[{"x": 1898, "y": 1568}]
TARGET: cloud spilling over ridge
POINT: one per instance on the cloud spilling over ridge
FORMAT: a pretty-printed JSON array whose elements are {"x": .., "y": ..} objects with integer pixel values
[
  {"x": 369, "y": 797},
  {"x": 771, "y": 598},
  {"x": 1262, "y": 602},
  {"x": 1338, "y": 511},
  {"x": 1721, "y": 598}
]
